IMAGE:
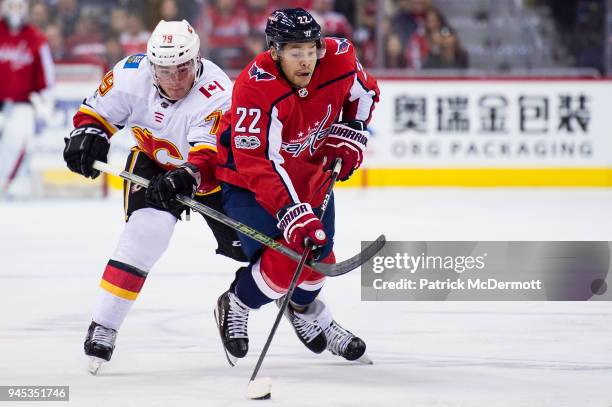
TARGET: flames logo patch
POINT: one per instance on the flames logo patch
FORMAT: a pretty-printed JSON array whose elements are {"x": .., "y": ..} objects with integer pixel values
[{"x": 161, "y": 150}]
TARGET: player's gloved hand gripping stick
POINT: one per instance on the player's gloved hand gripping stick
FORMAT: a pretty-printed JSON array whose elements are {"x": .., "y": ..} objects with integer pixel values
[
  {"x": 331, "y": 270},
  {"x": 346, "y": 140}
]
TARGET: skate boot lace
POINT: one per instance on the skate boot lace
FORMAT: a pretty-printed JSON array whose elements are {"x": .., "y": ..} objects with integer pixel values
[
  {"x": 307, "y": 330},
  {"x": 104, "y": 336},
  {"x": 237, "y": 318},
  {"x": 338, "y": 338}
]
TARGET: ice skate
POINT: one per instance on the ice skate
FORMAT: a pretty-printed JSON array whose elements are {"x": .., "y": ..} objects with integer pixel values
[
  {"x": 316, "y": 328},
  {"x": 343, "y": 343},
  {"x": 308, "y": 323},
  {"x": 99, "y": 345},
  {"x": 232, "y": 318}
]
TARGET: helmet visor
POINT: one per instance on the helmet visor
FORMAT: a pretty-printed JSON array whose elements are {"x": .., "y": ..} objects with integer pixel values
[
  {"x": 177, "y": 73},
  {"x": 175, "y": 81},
  {"x": 290, "y": 51}
]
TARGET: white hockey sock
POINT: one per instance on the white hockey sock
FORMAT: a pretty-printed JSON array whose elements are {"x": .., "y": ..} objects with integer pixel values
[{"x": 144, "y": 239}]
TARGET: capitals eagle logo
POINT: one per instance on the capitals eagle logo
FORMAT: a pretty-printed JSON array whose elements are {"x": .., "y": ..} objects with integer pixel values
[
  {"x": 343, "y": 45},
  {"x": 259, "y": 74}
]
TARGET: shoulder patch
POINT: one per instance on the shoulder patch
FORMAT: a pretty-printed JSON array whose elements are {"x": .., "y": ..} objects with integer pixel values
[
  {"x": 106, "y": 84},
  {"x": 210, "y": 88},
  {"x": 133, "y": 61},
  {"x": 343, "y": 45},
  {"x": 259, "y": 74}
]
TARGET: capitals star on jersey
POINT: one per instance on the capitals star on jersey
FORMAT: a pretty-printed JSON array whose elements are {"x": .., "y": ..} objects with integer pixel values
[
  {"x": 166, "y": 131},
  {"x": 269, "y": 142}
]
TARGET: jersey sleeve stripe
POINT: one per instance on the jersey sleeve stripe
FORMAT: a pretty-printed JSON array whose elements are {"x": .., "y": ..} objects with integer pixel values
[
  {"x": 47, "y": 63},
  {"x": 365, "y": 102},
  {"x": 275, "y": 129},
  {"x": 203, "y": 146},
  {"x": 212, "y": 191},
  {"x": 111, "y": 129}
]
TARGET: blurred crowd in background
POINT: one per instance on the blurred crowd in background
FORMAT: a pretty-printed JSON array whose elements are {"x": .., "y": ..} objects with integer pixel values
[{"x": 399, "y": 34}]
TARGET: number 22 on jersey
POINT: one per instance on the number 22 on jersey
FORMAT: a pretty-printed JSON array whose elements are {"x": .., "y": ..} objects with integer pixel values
[{"x": 244, "y": 116}]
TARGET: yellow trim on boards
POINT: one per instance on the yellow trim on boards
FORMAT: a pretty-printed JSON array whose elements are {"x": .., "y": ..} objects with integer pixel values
[
  {"x": 115, "y": 182},
  {"x": 470, "y": 177},
  {"x": 481, "y": 177}
]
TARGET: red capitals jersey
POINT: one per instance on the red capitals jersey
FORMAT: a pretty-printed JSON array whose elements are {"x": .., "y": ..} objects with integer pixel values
[
  {"x": 270, "y": 142},
  {"x": 26, "y": 64}
]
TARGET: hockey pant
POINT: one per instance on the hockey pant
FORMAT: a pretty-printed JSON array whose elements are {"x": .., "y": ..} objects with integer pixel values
[{"x": 269, "y": 273}]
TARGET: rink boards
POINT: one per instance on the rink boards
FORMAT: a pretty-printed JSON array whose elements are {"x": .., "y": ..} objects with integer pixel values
[{"x": 444, "y": 132}]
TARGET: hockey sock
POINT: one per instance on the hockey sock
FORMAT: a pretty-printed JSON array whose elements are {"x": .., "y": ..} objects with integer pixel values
[
  {"x": 143, "y": 241},
  {"x": 121, "y": 284},
  {"x": 253, "y": 288},
  {"x": 301, "y": 298}
]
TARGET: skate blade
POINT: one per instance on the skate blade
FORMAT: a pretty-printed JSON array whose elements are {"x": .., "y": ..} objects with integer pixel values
[
  {"x": 365, "y": 360},
  {"x": 95, "y": 364},
  {"x": 232, "y": 360}
]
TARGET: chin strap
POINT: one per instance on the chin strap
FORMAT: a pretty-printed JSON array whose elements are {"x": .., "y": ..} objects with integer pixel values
[{"x": 199, "y": 72}]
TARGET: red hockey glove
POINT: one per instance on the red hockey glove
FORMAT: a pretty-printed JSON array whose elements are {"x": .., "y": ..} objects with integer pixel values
[
  {"x": 298, "y": 222},
  {"x": 347, "y": 141}
]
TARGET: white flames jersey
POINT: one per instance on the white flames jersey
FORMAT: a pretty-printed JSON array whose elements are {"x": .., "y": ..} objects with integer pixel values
[{"x": 165, "y": 131}]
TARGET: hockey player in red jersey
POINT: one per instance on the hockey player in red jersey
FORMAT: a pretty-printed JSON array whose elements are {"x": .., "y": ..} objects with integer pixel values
[
  {"x": 27, "y": 73},
  {"x": 25, "y": 59},
  {"x": 295, "y": 108},
  {"x": 171, "y": 101}
]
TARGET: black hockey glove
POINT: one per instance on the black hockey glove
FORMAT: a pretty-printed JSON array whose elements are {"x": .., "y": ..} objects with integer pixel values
[
  {"x": 164, "y": 188},
  {"x": 85, "y": 145}
]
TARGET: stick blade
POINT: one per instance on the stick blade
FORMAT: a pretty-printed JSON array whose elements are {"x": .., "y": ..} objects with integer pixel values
[
  {"x": 343, "y": 267},
  {"x": 260, "y": 389}
]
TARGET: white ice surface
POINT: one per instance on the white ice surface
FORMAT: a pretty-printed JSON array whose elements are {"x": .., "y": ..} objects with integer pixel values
[{"x": 437, "y": 354}]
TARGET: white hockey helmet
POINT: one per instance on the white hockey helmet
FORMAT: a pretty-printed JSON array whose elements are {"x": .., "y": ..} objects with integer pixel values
[
  {"x": 173, "y": 43},
  {"x": 15, "y": 12}
]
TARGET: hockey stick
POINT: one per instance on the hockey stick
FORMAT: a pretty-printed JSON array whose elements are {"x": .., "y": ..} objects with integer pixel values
[
  {"x": 7, "y": 110},
  {"x": 261, "y": 389},
  {"x": 330, "y": 270},
  {"x": 15, "y": 169},
  {"x": 17, "y": 165}
]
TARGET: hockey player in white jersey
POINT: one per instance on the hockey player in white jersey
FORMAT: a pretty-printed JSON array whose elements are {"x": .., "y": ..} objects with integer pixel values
[{"x": 171, "y": 101}]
